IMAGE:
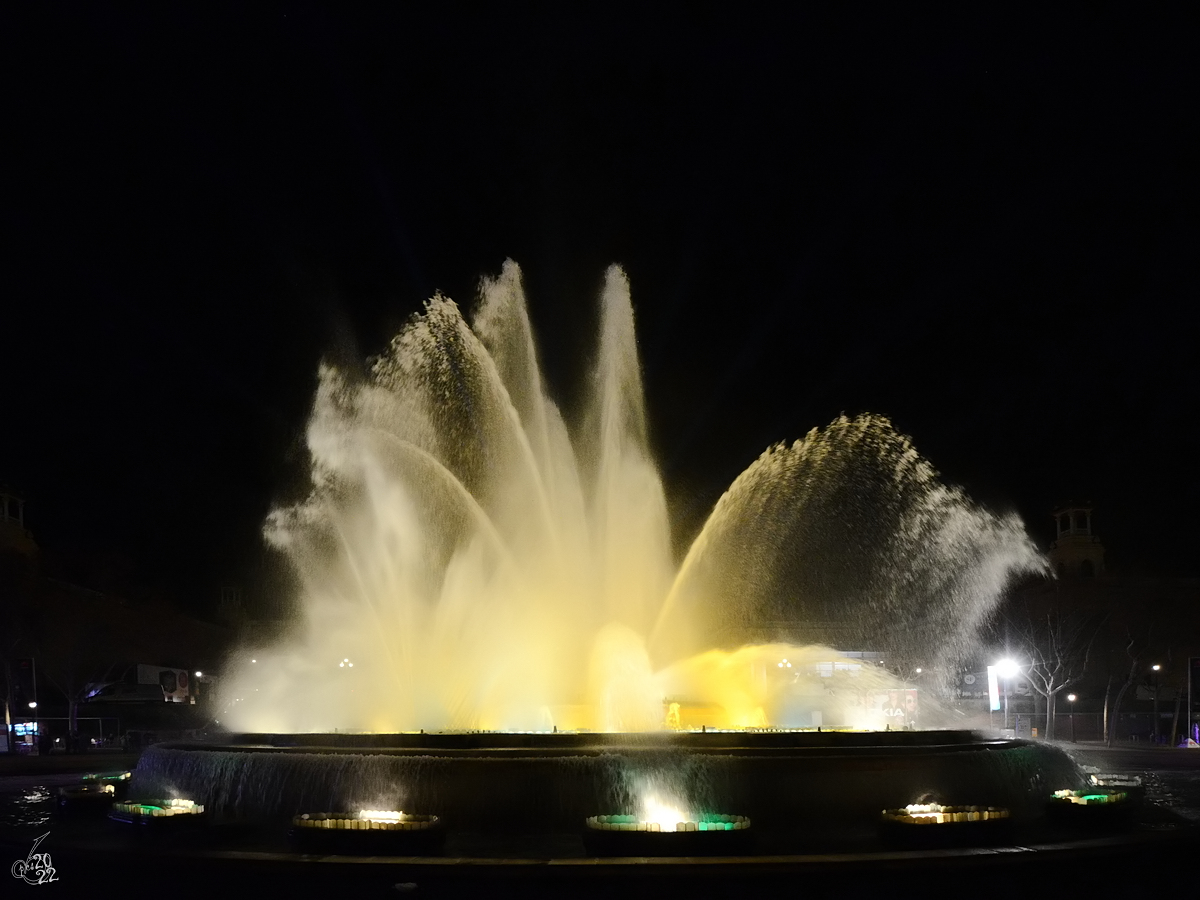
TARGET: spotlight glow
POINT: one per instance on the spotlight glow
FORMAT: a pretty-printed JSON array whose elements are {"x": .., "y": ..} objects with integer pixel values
[
  {"x": 665, "y": 813},
  {"x": 1008, "y": 668}
]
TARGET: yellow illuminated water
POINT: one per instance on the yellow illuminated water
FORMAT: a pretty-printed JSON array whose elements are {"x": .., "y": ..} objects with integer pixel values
[
  {"x": 468, "y": 559},
  {"x": 667, "y": 813}
]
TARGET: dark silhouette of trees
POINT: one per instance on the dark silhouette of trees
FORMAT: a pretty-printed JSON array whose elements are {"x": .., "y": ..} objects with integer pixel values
[
  {"x": 1054, "y": 643},
  {"x": 1139, "y": 643}
]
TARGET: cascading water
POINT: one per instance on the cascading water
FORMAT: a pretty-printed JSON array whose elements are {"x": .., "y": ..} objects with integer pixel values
[{"x": 481, "y": 569}]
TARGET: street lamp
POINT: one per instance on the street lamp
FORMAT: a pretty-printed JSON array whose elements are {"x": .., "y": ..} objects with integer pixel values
[
  {"x": 1071, "y": 699},
  {"x": 1007, "y": 669},
  {"x": 1156, "y": 668},
  {"x": 33, "y": 712}
]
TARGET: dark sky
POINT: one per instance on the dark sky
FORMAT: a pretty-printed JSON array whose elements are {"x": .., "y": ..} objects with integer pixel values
[{"x": 982, "y": 225}]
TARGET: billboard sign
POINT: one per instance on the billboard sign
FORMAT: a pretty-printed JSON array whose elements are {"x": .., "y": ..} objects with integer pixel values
[
  {"x": 900, "y": 708},
  {"x": 174, "y": 682}
]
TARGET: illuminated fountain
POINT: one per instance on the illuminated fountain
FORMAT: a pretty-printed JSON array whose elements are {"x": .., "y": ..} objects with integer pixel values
[
  {"x": 469, "y": 561},
  {"x": 486, "y": 566},
  {"x": 666, "y": 822}
]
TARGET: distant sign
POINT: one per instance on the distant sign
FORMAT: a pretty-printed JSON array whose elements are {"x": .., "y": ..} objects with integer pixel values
[
  {"x": 174, "y": 682},
  {"x": 900, "y": 707}
]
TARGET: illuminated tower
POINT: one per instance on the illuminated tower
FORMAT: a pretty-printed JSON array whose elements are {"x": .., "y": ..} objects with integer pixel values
[{"x": 1076, "y": 552}]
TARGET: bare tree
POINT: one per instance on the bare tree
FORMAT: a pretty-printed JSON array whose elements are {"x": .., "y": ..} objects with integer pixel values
[
  {"x": 1137, "y": 645},
  {"x": 73, "y": 638},
  {"x": 1058, "y": 646}
]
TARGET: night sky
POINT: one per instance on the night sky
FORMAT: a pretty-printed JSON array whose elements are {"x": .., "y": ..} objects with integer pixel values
[{"x": 981, "y": 224}]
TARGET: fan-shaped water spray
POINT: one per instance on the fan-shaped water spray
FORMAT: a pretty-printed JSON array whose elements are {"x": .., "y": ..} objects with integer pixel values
[{"x": 485, "y": 570}]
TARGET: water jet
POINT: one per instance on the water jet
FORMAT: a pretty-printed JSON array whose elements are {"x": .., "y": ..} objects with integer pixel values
[{"x": 488, "y": 563}]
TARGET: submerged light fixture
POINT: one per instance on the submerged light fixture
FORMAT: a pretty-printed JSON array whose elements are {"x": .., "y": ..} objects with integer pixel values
[
  {"x": 158, "y": 813},
  {"x": 366, "y": 820},
  {"x": 934, "y": 825},
  {"x": 710, "y": 834},
  {"x": 714, "y": 822},
  {"x": 368, "y": 832}
]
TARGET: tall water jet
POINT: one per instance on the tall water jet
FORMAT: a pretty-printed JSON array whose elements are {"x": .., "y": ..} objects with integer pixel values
[{"x": 466, "y": 563}]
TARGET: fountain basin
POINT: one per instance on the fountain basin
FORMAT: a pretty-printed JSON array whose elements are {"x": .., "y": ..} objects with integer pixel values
[
  {"x": 85, "y": 799},
  {"x": 554, "y": 782}
]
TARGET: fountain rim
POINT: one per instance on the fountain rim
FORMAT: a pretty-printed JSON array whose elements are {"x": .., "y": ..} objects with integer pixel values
[{"x": 577, "y": 744}]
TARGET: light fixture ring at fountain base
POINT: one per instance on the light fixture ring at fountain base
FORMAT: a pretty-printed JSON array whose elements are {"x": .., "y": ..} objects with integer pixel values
[
  {"x": 708, "y": 835},
  {"x": 159, "y": 815},
  {"x": 934, "y": 825},
  {"x": 1097, "y": 807},
  {"x": 391, "y": 833}
]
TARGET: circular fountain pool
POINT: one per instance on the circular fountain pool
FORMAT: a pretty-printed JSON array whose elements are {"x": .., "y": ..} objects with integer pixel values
[
  {"x": 783, "y": 780},
  {"x": 826, "y": 815}
]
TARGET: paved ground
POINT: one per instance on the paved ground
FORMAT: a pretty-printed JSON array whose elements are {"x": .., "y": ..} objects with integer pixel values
[
  {"x": 1171, "y": 776},
  {"x": 12, "y": 764},
  {"x": 1134, "y": 756}
]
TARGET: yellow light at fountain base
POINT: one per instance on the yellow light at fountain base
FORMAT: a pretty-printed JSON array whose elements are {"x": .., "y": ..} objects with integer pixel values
[
  {"x": 665, "y": 813},
  {"x": 381, "y": 815}
]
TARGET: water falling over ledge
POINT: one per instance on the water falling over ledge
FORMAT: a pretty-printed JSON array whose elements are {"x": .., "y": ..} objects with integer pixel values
[{"x": 554, "y": 782}]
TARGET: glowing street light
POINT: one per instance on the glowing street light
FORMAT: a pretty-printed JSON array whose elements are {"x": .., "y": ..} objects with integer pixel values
[
  {"x": 33, "y": 704},
  {"x": 199, "y": 673},
  {"x": 1008, "y": 668}
]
